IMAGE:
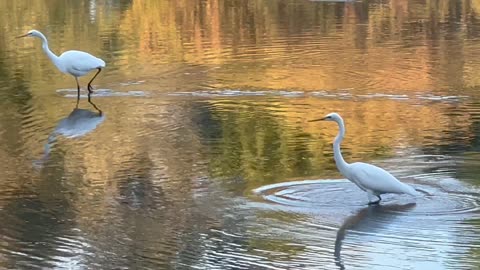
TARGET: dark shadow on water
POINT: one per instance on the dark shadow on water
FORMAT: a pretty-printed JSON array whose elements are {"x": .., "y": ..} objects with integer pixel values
[
  {"x": 365, "y": 220},
  {"x": 77, "y": 124}
]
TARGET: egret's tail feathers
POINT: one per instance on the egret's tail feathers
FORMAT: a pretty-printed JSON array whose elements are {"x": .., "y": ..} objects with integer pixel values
[
  {"x": 411, "y": 191},
  {"x": 101, "y": 63}
]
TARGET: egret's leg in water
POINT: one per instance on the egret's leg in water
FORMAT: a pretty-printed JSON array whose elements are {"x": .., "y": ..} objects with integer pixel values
[
  {"x": 371, "y": 198},
  {"x": 78, "y": 91},
  {"x": 89, "y": 86}
]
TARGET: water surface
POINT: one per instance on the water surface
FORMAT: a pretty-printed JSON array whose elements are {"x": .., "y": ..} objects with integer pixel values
[{"x": 203, "y": 157}]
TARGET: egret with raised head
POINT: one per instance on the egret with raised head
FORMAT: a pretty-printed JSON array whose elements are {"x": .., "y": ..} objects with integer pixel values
[
  {"x": 75, "y": 63},
  {"x": 369, "y": 178}
]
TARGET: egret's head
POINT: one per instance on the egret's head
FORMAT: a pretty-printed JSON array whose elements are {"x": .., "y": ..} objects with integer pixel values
[
  {"x": 31, "y": 33},
  {"x": 329, "y": 117}
]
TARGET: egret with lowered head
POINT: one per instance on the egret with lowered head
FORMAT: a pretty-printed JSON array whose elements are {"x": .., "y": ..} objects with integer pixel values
[
  {"x": 75, "y": 63},
  {"x": 369, "y": 178}
]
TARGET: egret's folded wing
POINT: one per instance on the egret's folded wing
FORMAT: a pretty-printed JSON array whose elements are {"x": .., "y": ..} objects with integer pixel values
[{"x": 376, "y": 179}]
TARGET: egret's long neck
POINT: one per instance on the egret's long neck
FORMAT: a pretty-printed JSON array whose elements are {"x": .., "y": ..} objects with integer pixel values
[
  {"x": 337, "y": 154},
  {"x": 49, "y": 53}
]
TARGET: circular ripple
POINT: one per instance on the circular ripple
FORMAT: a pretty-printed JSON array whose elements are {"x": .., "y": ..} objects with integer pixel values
[
  {"x": 313, "y": 193},
  {"x": 446, "y": 197}
]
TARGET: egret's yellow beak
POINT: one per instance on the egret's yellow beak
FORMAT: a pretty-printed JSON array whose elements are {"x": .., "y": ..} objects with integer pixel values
[
  {"x": 26, "y": 35},
  {"x": 319, "y": 119}
]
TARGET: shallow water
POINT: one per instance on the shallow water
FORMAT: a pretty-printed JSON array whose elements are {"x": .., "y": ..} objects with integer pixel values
[{"x": 202, "y": 156}]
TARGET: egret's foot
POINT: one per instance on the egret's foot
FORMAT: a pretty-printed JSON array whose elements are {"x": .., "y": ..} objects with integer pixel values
[
  {"x": 89, "y": 86},
  {"x": 374, "y": 202}
]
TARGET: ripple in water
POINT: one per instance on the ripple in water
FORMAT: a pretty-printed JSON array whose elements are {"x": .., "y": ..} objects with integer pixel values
[
  {"x": 343, "y": 94},
  {"x": 72, "y": 93},
  {"x": 446, "y": 198}
]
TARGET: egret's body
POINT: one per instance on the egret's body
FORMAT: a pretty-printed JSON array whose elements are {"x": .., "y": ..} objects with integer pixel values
[
  {"x": 75, "y": 63},
  {"x": 78, "y": 63},
  {"x": 369, "y": 178}
]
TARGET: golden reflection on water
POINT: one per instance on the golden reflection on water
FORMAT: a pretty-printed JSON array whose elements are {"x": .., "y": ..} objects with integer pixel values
[
  {"x": 293, "y": 44},
  {"x": 160, "y": 156}
]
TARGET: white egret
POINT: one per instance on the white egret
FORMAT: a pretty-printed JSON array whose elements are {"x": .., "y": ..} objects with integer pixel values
[
  {"x": 369, "y": 178},
  {"x": 75, "y": 63}
]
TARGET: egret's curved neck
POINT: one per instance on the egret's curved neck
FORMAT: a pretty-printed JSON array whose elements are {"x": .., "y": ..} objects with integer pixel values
[
  {"x": 337, "y": 154},
  {"x": 49, "y": 53}
]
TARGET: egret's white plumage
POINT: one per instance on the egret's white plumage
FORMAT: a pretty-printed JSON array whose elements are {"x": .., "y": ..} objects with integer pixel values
[
  {"x": 75, "y": 63},
  {"x": 371, "y": 179}
]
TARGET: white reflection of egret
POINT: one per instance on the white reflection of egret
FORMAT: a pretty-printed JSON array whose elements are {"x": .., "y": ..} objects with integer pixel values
[
  {"x": 371, "y": 179},
  {"x": 367, "y": 218},
  {"x": 75, "y": 63},
  {"x": 78, "y": 123}
]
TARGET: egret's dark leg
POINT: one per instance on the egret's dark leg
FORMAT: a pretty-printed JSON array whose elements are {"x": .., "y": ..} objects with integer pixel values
[
  {"x": 78, "y": 91},
  {"x": 89, "y": 86},
  {"x": 371, "y": 196}
]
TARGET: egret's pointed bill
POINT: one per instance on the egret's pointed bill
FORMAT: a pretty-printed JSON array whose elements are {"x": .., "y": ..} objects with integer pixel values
[
  {"x": 22, "y": 36},
  {"x": 319, "y": 119}
]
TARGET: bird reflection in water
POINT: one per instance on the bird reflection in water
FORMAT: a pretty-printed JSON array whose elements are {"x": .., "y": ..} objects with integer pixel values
[
  {"x": 100, "y": 113},
  {"x": 77, "y": 124},
  {"x": 367, "y": 220}
]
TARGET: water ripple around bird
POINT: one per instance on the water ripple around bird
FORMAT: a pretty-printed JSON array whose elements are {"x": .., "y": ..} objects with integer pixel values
[{"x": 321, "y": 196}]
